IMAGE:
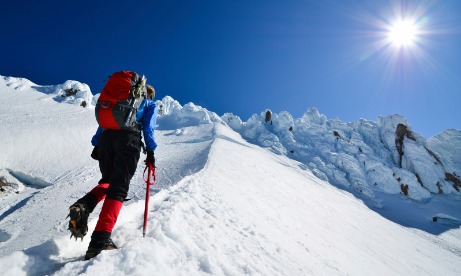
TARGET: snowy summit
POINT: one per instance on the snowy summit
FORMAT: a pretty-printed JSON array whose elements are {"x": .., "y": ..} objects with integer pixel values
[{"x": 274, "y": 195}]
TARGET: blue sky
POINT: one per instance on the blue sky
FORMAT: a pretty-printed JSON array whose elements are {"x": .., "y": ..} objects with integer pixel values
[{"x": 245, "y": 56}]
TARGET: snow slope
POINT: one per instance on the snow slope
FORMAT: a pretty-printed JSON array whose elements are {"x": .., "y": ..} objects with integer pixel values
[{"x": 221, "y": 205}]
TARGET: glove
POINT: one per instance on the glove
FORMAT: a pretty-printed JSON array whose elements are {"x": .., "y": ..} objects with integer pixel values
[
  {"x": 150, "y": 159},
  {"x": 95, "y": 153}
]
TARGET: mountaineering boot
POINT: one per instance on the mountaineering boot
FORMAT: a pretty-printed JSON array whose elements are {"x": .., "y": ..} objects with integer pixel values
[
  {"x": 78, "y": 224},
  {"x": 99, "y": 241},
  {"x": 80, "y": 210}
]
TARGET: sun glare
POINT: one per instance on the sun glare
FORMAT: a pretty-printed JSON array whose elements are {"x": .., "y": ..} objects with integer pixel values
[
  {"x": 403, "y": 33},
  {"x": 398, "y": 39}
]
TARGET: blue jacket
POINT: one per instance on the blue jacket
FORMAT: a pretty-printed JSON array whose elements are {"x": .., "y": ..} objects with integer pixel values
[{"x": 147, "y": 118}]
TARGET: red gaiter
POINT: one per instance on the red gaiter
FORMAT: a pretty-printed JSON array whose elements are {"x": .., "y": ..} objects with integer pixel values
[{"x": 108, "y": 215}]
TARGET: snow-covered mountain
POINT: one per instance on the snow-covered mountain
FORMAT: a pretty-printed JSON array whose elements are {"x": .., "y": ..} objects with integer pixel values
[{"x": 284, "y": 196}]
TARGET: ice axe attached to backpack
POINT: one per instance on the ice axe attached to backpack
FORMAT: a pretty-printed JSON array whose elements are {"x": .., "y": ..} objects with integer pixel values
[{"x": 138, "y": 91}]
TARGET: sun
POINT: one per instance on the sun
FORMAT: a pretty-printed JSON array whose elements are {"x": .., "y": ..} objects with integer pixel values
[{"x": 403, "y": 33}]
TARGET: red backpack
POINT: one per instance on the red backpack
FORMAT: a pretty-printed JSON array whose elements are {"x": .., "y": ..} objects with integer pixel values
[{"x": 119, "y": 101}]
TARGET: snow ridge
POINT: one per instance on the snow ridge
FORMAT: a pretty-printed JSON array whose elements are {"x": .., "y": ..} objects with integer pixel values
[
  {"x": 232, "y": 197},
  {"x": 363, "y": 156}
]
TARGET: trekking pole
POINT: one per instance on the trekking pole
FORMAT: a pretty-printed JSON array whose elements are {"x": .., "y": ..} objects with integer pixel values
[{"x": 150, "y": 172}]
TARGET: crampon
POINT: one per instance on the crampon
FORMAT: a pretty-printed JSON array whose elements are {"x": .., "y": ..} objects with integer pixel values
[{"x": 78, "y": 224}]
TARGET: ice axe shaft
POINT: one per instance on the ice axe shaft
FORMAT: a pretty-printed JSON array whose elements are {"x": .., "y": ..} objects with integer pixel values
[{"x": 150, "y": 173}]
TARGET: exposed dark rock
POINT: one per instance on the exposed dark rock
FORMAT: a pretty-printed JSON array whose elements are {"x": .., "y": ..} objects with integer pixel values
[
  {"x": 2, "y": 184},
  {"x": 69, "y": 92},
  {"x": 268, "y": 117},
  {"x": 433, "y": 155},
  {"x": 335, "y": 133},
  {"x": 440, "y": 188},
  {"x": 404, "y": 189},
  {"x": 452, "y": 178},
  {"x": 419, "y": 180},
  {"x": 400, "y": 133}
]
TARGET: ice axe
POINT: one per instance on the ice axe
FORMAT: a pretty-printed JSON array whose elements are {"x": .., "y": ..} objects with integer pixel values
[{"x": 150, "y": 175}]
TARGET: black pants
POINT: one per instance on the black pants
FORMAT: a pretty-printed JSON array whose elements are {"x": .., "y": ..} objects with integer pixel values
[{"x": 119, "y": 153}]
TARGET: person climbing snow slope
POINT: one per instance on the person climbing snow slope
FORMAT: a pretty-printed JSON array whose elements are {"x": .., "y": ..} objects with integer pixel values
[{"x": 117, "y": 147}]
